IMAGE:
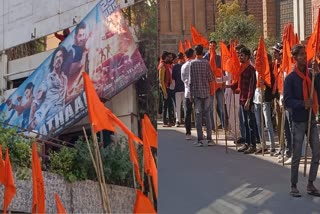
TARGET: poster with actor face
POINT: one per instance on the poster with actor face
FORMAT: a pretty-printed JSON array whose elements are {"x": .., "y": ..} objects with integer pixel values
[{"x": 52, "y": 98}]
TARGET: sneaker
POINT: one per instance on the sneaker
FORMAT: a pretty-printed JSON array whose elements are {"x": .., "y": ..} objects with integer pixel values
[
  {"x": 210, "y": 143},
  {"x": 177, "y": 124},
  {"x": 198, "y": 144},
  {"x": 188, "y": 137},
  {"x": 278, "y": 153},
  {"x": 240, "y": 140},
  {"x": 250, "y": 150},
  {"x": 259, "y": 151},
  {"x": 281, "y": 160},
  {"x": 288, "y": 161},
  {"x": 272, "y": 152},
  {"x": 243, "y": 148}
]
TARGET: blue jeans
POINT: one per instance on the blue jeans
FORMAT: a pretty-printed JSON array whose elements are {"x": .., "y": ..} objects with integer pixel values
[
  {"x": 242, "y": 128},
  {"x": 299, "y": 130},
  {"x": 249, "y": 124},
  {"x": 267, "y": 121},
  {"x": 220, "y": 105},
  {"x": 187, "y": 115},
  {"x": 201, "y": 106}
]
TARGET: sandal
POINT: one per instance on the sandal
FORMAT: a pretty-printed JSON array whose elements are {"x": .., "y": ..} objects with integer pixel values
[
  {"x": 295, "y": 193},
  {"x": 314, "y": 193}
]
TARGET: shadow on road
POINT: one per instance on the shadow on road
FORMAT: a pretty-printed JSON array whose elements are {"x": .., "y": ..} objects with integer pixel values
[{"x": 207, "y": 180}]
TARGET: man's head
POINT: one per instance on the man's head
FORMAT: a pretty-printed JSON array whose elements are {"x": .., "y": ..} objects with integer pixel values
[
  {"x": 189, "y": 53},
  {"x": 174, "y": 58},
  {"x": 298, "y": 52},
  {"x": 277, "y": 51},
  {"x": 244, "y": 54},
  {"x": 238, "y": 48},
  {"x": 80, "y": 36},
  {"x": 164, "y": 55},
  {"x": 57, "y": 59},
  {"x": 28, "y": 90},
  {"x": 212, "y": 43},
  {"x": 180, "y": 57},
  {"x": 199, "y": 50}
]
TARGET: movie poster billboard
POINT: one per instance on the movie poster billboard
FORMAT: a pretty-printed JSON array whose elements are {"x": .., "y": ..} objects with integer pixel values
[{"x": 52, "y": 98}]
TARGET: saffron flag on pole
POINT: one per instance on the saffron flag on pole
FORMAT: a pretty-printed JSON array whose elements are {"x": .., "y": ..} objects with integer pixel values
[
  {"x": 313, "y": 46},
  {"x": 98, "y": 114},
  {"x": 109, "y": 121},
  {"x": 38, "y": 199},
  {"x": 149, "y": 162},
  {"x": 2, "y": 167},
  {"x": 142, "y": 204},
  {"x": 9, "y": 186},
  {"x": 262, "y": 64},
  {"x": 187, "y": 44},
  {"x": 197, "y": 38},
  {"x": 181, "y": 49},
  {"x": 152, "y": 134},
  {"x": 59, "y": 205},
  {"x": 135, "y": 161}
]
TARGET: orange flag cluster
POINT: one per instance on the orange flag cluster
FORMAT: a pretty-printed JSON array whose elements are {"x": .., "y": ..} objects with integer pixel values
[
  {"x": 6, "y": 178},
  {"x": 149, "y": 139}
]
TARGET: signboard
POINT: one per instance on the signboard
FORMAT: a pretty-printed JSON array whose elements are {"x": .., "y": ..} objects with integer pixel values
[{"x": 52, "y": 98}]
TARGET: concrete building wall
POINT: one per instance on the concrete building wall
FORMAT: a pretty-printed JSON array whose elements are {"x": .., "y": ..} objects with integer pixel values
[{"x": 20, "y": 19}]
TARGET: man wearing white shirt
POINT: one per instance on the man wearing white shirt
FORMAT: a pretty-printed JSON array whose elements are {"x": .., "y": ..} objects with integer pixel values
[{"x": 185, "y": 76}]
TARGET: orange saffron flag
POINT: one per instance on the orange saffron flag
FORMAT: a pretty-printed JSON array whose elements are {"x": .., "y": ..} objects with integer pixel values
[
  {"x": 262, "y": 63},
  {"x": 181, "y": 49},
  {"x": 38, "y": 200},
  {"x": 59, "y": 205},
  {"x": 135, "y": 161},
  {"x": 152, "y": 134},
  {"x": 197, "y": 38},
  {"x": 2, "y": 167},
  {"x": 99, "y": 117},
  {"x": 313, "y": 42},
  {"x": 143, "y": 204},
  {"x": 149, "y": 162},
  {"x": 225, "y": 57},
  {"x": 286, "y": 58},
  {"x": 187, "y": 44},
  {"x": 9, "y": 186}
]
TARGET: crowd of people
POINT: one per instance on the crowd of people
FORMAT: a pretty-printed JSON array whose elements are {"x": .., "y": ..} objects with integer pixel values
[{"x": 188, "y": 78}]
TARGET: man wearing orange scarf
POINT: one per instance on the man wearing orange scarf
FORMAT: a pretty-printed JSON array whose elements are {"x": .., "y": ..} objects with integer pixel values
[{"x": 297, "y": 99}]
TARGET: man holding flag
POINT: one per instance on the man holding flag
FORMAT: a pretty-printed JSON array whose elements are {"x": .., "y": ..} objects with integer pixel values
[{"x": 297, "y": 98}]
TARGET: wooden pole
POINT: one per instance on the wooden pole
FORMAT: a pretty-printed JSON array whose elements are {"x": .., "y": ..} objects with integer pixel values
[
  {"x": 309, "y": 120},
  {"x": 150, "y": 189},
  {"x": 215, "y": 113},
  {"x": 281, "y": 134},
  {"x": 94, "y": 161},
  {"x": 100, "y": 166},
  {"x": 235, "y": 118},
  {"x": 262, "y": 120},
  {"x": 224, "y": 119}
]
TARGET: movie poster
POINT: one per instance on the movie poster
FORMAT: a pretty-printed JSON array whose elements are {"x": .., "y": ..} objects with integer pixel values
[{"x": 52, "y": 98}]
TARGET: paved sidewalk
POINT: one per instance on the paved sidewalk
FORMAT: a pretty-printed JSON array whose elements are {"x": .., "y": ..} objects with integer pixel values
[{"x": 207, "y": 180}]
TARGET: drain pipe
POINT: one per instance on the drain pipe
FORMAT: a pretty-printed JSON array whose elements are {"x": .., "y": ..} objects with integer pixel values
[{"x": 3, "y": 72}]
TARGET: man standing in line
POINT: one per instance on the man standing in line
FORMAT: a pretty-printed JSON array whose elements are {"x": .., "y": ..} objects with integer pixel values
[
  {"x": 178, "y": 87},
  {"x": 185, "y": 76},
  {"x": 200, "y": 78},
  {"x": 247, "y": 85},
  {"x": 297, "y": 99}
]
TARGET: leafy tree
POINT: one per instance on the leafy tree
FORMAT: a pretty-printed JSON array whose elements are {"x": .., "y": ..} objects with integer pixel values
[{"x": 232, "y": 23}]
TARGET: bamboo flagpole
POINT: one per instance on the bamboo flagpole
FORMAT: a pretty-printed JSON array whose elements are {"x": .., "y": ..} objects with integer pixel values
[
  {"x": 316, "y": 47},
  {"x": 235, "y": 118},
  {"x": 283, "y": 115},
  {"x": 95, "y": 165},
  {"x": 262, "y": 119},
  {"x": 215, "y": 113},
  {"x": 224, "y": 118}
]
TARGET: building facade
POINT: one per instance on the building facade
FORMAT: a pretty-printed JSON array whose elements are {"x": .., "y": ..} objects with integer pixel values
[{"x": 176, "y": 16}]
